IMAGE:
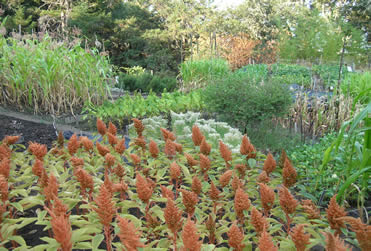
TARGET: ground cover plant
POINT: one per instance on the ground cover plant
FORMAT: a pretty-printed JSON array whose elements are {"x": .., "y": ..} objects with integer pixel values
[
  {"x": 50, "y": 76},
  {"x": 130, "y": 106},
  {"x": 172, "y": 195}
]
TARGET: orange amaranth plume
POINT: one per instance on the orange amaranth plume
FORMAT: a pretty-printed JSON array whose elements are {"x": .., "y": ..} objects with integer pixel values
[
  {"x": 267, "y": 197},
  {"x": 190, "y": 200},
  {"x": 241, "y": 168},
  {"x": 205, "y": 163},
  {"x": 103, "y": 150},
  {"x": 241, "y": 203},
  {"x": 300, "y": 239},
  {"x": 263, "y": 177},
  {"x": 289, "y": 174},
  {"x": 120, "y": 147},
  {"x": 196, "y": 185},
  {"x": 128, "y": 235},
  {"x": 363, "y": 232},
  {"x": 311, "y": 209},
  {"x": 85, "y": 180},
  {"x": 214, "y": 192},
  {"x": 266, "y": 243},
  {"x": 244, "y": 148},
  {"x": 190, "y": 237},
  {"x": 166, "y": 134},
  {"x": 144, "y": 190},
  {"x": 112, "y": 139},
  {"x": 105, "y": 206},
  {"x": 236, "y": 183},
  {"x": 135, "y": 158},
  {"x": 170, "y": 149},
  {"x": 166, "y": 193},
  {"x": 109, "y": 160},
  {"x": 5, "y": 152},
  {"x": 138, "y": 125},
  {"x": 235, "y": 238},
  {"x": 205, "y": 148},
  {"x": 173, "y": 216},
  {"x": 197, "y": 135},
  {"x": 287, "y": 201},
  {"x": 38, "y": 150},
  {"x": 86, "y": 143},
  {"x": 225, "y": 152},
  {"x": 112, "y": 129},
  {"x": 175, "y": 171},
  {"x": 76, "y": 162},
  {"x": 73, "y": 144},
  {"x": 141, "y": 142},
  {"x": 3, "y": 189},
  {"x": 10, "y": 140},
  {"x": 101, "y": 127},
  {"x": 334, "y": 214},
  {"x": 269, "y": 164},
  {"x": 5, "y": 167},
  {"x": 258, "y": 221},
  {"x": 225, "y": 178},
  {"x": 62, "y": 231},
  {"x": 335, "y": 243},
  {"x": 190, "y": 160},
  {"x": 51, "y": 190},
  {"x": 153, "y": 149}
]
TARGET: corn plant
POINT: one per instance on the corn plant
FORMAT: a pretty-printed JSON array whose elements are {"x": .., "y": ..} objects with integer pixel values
[{"x": 48, "y": 76}]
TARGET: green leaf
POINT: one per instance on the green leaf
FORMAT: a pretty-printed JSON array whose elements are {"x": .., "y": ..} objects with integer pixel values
[
  {"x": 349, "y": 181},
  {"x": 17, "y": 205},
  {"x": 96, "y": 241},
  {"x": 18, "y": 239}
]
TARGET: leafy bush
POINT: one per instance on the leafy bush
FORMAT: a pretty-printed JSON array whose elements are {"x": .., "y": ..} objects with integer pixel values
[
  {"x": 146, "y": 82},
  {"x": 329, "y": 73},
  {"x": 197, "y": 73},
  {"x": 358, "y": 85},
  {"x": 272, "y": 137},
  {"x": 49, "y": 76},
  {"x": 291, "y": 74},
  {"x": 128, "y": 107},
  {"x": 238, "y": 100},
  {"x": 256, "y": 72},
  {"x": 99, "y": 195}
]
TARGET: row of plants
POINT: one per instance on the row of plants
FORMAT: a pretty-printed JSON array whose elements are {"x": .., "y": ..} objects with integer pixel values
[
  {"x": 170, "y": 195},
  {"x": 130, "y": 106},
  {"x": 50, "y": 76},
  {"x": 146, "y": 82}
]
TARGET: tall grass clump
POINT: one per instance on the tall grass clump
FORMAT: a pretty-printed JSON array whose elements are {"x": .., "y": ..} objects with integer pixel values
[
  {"x": 49, "y": 76},
  {"x": 358, "y": 86},
  {"x": 257, "y": 72},
  {"x": 197, "y": 73}
]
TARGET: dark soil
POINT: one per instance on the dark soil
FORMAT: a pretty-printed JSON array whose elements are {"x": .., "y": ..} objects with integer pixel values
[{"x": 29, "y": 131}]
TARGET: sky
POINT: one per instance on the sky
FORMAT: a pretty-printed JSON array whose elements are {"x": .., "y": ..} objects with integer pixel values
[{"x": 223, "y": 4}]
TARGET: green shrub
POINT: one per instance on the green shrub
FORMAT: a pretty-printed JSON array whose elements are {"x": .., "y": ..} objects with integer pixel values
[
  {"x": 238, "y": 100},
  {"x": 256, "y": 72},
  {"x": 272, "y": 137},
  {"x": 291, "y": 74},
  {"x": 197, "y": 73},
  {"x": 358, "y": 84},
  {"x": 50, "y": 76},
  {"x": 145, "y": 82},
  {"x": 329, "y": 73}
]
